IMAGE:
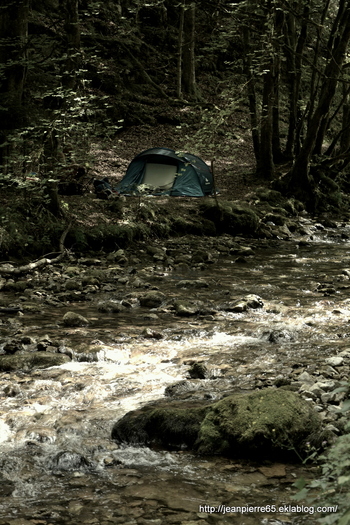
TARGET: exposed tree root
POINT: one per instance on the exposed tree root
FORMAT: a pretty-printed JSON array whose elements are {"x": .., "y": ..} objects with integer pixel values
[{"x": 27, "y": 268}]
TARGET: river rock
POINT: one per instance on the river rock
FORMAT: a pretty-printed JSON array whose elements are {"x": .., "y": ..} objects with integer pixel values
[
  {"x": 186, "y": 308},
  {"x": 253, "y": 301},
  {"x": 280, "y": 335},
  {"x": 110, "y": 306},
  {"x": 198, "y": 371},
  {"x": 73, "y": 319},
  {"x": 264, "y": 422},
  {"x": 152, "y": 299},
  {"x": 12, "y": 347},
  {"x": 306, "y": 378},
  {"x": 238, "y": 306},
  {"x": 73, "y": 284},
  {"x": 31, "y": 360},
  {"x": 6, "y": 486},
  {"x": 334, "y": 361},
  {"x": 68, "y": 461},
  {"x": 171, "y": 423},
  {"x": 235, "y": 307},
  {"x": 148, "y": 333},
  {"x": 261, "y": 424},
  {"x": 194, "y": 283}
]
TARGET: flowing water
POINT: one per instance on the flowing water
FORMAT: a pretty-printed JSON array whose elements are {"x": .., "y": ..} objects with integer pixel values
[{"x": 58, "y": 464}]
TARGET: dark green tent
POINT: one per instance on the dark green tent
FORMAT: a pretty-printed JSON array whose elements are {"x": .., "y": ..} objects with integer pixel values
[{"x": 161, "y": 171}]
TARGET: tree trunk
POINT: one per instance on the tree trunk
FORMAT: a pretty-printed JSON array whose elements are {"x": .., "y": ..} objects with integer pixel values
[
  {"x": 13, "y": 37},
  {"x": 72, "y": 32},
  {"x": 300, "y": 180},
  {"x": 294, "y": 53},
  {"x": 276, "y": 67},
  {"x": 248, "y": 70},
  {"x": 180, "y": 48},
  {"x": 188, "y": 63},
  {"x": 345, "y": 137},
  {"x": 265, "y": 167}
]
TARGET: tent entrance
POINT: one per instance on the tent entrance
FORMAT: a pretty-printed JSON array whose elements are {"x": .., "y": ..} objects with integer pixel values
[{"x": 159, "y": 176}]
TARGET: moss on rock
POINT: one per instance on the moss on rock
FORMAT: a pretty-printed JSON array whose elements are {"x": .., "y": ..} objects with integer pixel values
[
  {"x": 259, "y": 423},
  {"x": 152, "y": 299},
  {"x": 273, "y": 197},
  {"x": 230, "y": 217},
  {"x": 72, "y": 319}
]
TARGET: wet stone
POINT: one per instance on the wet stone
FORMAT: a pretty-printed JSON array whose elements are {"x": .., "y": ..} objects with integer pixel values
[
  {"x": 110, "y": 307},
  {"x": 198, "y": 371},
  {"x": 148, "y": 333},
  {"x": 12, "y": 390},
  {"x": 31, "y": 360},
  {"x": 259, "y": 423},
  {"x": 152, "y": 299},
  {"x": 13, "y": 347},
  {"x": 72, "y": 319},
  {"x": 73, "y": 284},
  {"x": 195, "y": 283},
  {"x": 186, "y": 308}
]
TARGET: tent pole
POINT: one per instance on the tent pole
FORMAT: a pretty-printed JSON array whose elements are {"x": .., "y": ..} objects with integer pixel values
[{"x": 214, "y": 184}]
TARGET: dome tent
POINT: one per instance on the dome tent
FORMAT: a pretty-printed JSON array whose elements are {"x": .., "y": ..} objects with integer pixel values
[{"x": 161, "y": 171}]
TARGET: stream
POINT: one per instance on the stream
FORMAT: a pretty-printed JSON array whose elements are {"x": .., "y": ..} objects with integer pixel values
[{"x": 58, "y": 464}]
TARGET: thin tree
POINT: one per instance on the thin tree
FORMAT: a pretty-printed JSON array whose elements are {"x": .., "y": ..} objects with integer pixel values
[
  {"x": 188, "y": 51},
  {"x": 13, "y": 39}
]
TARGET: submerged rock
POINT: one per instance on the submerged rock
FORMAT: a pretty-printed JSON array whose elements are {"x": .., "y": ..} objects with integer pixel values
[
  {"x": 110, "y": 306},
  {"x": 198, "y": 371},
  {"x": 148, "y": 333},
  {"x": 68, "y": 461},
  {"x": 261, "y": 424},
  {"x": 12, "y": 347},
  {"x": 194, "y": 283}
]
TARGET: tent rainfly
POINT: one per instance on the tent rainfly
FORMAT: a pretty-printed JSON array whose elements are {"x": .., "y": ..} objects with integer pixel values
[{"x": 160, "y": 171}]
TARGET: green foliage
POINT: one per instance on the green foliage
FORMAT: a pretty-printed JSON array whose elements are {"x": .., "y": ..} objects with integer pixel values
[{"x": 332, "y": 487}]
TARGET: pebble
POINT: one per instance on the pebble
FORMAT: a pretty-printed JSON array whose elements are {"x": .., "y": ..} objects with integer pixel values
[{"x": 306, "y": 378}]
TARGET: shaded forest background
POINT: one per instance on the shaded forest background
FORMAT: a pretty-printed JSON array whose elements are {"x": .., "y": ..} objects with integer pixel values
[{"x": 76, "y": 73}]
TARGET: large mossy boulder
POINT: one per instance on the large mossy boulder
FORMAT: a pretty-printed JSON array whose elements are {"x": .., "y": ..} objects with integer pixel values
[
  {"x": 263, "y": 423},
  {"x": 31, "y": 361}
]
